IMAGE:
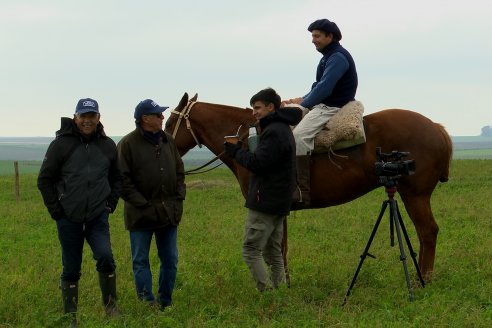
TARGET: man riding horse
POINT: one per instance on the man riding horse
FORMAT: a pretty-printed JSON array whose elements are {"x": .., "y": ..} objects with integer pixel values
[{"x": 335, "y": 86}]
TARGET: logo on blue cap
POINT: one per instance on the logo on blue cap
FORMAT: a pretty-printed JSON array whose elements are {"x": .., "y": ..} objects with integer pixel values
[
  {"x": 87, "y": 105},
  {"x": 146, "y": 107}
]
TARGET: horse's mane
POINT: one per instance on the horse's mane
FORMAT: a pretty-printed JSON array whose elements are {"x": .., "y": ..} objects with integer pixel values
[{"x": 228, "y": 107}]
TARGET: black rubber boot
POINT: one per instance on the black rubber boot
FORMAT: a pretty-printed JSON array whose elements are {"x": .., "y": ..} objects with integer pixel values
[
  {"x": 301, "y": 197},
  {"x": 107, "y": 282},
  {"x": 70, "y": 297}
]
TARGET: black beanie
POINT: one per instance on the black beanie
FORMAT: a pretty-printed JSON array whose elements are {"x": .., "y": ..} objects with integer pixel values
[{"x": 327, "y": 26}]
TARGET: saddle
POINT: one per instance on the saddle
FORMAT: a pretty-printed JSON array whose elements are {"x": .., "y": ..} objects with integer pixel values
[{"x": 345, "y": 129}]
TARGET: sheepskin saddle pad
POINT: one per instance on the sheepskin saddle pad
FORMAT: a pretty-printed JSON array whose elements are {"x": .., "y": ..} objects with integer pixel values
[{"x": 345, "y": 129}]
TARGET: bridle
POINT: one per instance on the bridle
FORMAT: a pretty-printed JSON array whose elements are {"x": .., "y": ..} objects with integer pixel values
[{"x": 185, "y": 114}]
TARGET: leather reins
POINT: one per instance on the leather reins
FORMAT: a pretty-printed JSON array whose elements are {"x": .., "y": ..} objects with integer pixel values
[{"x": 185, "y": 114}]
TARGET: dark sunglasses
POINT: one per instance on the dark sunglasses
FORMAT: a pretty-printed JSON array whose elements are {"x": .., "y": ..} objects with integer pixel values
[{"x": 158, "y": 115}]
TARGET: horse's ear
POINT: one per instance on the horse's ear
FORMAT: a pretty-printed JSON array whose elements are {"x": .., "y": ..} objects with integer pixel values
[
  {"x": 183, "y": 101},
  {"x": 195, "y": 97}
]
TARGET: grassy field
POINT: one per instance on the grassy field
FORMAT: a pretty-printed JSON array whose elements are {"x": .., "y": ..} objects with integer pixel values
[
  {"x": 29, "y": 149},
  {"x": 214, "y": 287},
  {"x": 472, "y": 153}
]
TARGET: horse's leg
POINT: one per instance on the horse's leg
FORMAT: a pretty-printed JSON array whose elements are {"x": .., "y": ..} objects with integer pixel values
[
  {"x": 419, "y": 209},
  {"x": 285, "y": 249}
]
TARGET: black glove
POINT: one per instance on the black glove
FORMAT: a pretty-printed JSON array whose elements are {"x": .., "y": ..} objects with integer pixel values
[{"x": 231, "y": 149}]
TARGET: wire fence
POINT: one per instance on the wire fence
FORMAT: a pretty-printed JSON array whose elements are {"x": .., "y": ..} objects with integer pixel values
[{"x": 18, "y": 180}]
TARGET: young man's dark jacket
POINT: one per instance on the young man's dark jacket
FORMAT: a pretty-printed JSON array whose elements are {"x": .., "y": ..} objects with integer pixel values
[
  {"x": 273, "y": 163},
  {"x": 80, "y": 177},
  {"x": 153, "y": 180}
]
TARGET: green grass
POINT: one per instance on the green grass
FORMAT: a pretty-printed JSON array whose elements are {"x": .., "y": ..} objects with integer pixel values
[
  {"x": 472, "y": 153},
  {"x": 214, "y": 287}
]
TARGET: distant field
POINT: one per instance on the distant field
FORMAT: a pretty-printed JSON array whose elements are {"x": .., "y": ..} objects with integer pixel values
[
  {"x": 472, "y": 154},
  {"x": 34, "y": 149},
  {"x": 27, "y": 167},
  {"x": 472, "y": 147},
  {"x": 471, "y": 139}
]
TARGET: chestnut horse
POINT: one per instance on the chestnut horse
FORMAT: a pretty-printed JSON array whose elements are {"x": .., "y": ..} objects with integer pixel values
[{"x": 337, "y": 180}]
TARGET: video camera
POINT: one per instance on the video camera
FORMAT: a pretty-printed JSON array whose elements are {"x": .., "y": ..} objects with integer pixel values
[{"x": 392, "y": 165}]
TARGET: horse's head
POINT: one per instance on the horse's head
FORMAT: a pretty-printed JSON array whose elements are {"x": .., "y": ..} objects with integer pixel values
[
  {"x": 195, "y": 123},
  {"x": 176, "y": 125}
]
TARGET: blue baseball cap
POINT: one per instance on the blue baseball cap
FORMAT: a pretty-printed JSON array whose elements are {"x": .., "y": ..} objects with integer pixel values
[
  {"x": 87, "y": 105},
  {"x": 146, "y": 107}
]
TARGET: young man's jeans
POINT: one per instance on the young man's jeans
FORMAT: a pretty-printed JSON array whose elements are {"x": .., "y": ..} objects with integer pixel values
[
  {"x": 311, "y": 124},
  {"x": 262, "y": 244},
  {"x": 72, "y": 235},
  {"x": 167, "y": 251}
]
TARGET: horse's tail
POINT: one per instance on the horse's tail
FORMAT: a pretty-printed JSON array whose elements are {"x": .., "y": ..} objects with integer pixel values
[{"x": 444, "y": 176}]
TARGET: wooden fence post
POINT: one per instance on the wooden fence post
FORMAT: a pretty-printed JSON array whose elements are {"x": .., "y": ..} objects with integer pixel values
[{"x": 16, "y": 167}]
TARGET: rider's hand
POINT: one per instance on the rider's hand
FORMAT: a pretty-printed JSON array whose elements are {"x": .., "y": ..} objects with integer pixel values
[{"x": 297, "y": 101}]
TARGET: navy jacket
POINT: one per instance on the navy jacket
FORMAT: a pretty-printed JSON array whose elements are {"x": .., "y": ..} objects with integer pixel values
[
  {"x": 273, "y": 164},
  {"x": 336, "y": 78}
]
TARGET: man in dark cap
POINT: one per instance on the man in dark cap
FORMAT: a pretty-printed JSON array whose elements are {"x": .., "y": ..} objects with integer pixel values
[
  {"x": 335, "y": 86},
  {"x": 153, "y": 191},
  {"x": 80, "y": 182}
]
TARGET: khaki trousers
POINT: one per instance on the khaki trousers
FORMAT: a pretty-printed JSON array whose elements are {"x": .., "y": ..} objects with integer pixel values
[
  {"x": 262, "y": 244},
  {"x": 311, "y": 124}
]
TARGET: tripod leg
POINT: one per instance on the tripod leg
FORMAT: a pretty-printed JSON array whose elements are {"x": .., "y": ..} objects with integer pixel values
[
  {"x": 410, "y": 248},
  {"x": 365, "y": 253},
  {"x": 403, "y": 257},
  {"x": 392, "y": 232}
]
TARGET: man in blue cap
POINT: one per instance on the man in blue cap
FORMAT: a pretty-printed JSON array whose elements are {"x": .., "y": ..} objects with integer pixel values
[
  {"x": 80, "y": 182},
  {"x": 335, "y": 85},
  {"x": 153, "y": 191}
]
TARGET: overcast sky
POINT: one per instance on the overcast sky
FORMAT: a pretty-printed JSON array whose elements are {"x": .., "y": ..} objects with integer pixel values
[{"x": 430, "y": 56}]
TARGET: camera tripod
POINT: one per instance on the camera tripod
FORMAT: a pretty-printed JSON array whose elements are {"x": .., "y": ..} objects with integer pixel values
[{"x": 390, "y": 184}]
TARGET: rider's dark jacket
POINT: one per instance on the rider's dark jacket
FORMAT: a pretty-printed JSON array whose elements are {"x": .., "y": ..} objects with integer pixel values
[
  {"x": 330, "y": 89},
  {"x": 273, "y": 163}
]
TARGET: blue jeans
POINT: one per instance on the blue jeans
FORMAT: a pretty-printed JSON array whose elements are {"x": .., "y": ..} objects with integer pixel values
[
  {"x": 167, "y": 250},
  {"x": 72, "y": 235}
]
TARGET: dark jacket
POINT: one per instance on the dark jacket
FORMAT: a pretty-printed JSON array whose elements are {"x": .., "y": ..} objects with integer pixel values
[
  {"x": 153, "y": 181},
  {"x": 79, "y": 177},
  {"x": 273, "y": 164},
  {"x": 346, "y": 87}
]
